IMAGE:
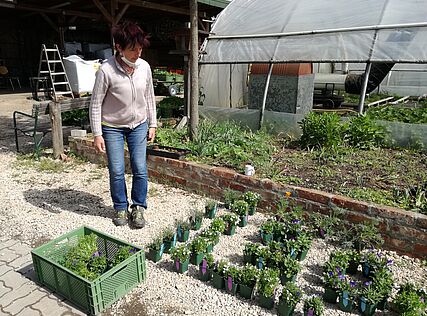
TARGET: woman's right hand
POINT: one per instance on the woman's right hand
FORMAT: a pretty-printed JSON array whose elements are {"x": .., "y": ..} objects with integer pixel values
[{"x": 99, "y": 144}]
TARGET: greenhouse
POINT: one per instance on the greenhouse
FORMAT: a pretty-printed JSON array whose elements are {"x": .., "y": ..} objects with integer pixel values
[{"x": 295, "y": 47}]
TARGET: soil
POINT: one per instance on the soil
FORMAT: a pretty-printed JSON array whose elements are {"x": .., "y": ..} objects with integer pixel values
[{"x": 375, "y": 175}]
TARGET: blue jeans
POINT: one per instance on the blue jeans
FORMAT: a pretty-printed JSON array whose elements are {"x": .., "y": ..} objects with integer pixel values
[{"x": 137, "y": 144}]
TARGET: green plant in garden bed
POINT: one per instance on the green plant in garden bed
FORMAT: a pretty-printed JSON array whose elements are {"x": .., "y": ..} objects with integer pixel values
[
  {"x": 398, "y": 114},
  {"x": 362, "y": 132}
]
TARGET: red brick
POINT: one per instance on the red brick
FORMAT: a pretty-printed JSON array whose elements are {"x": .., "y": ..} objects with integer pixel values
[
  {"x": 153, "y": 173},
  {"x": 350, "y": 204},
  {"x": 313, "y": 195},
  {"x": 398, "y": 245},
  {"x": 267, "y": 184},
  {"x": 394, "y": 213},
  {"x": 248, "y": 181},
  {"x": 356, "y": 217},
  {"x": 223, "y": 173},
  {"x": 318, "y": 208},
  {"x": 420, "y": 251},
  {"x": 409, "y": 233},
  {"x": 175, "y": 163},
  {"x": 421, "y": 221}
]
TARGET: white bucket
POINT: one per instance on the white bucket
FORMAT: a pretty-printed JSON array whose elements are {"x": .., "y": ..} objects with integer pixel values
[{"x": 249, "y": 170}]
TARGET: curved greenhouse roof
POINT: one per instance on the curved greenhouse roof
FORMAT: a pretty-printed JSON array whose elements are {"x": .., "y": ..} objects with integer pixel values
[{"x": 277, "y": 31}]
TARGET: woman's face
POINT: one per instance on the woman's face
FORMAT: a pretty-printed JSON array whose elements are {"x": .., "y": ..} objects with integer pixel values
[{"x": 131, "y": 53}]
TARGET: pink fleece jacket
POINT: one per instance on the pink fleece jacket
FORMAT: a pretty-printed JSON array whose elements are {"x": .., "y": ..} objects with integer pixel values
[{"x": 122, "y": 100}]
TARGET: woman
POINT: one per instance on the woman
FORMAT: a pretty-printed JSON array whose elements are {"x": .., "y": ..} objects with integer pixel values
[{"x": 123, "y": 109}]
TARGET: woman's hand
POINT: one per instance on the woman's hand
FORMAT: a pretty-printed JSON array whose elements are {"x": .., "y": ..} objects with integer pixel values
[
  {"x": 151, "y": 134},
  {"x": 99, "y": 144}
]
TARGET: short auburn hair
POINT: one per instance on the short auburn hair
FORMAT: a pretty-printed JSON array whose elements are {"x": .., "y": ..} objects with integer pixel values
[{"x": 128, "y": 34}]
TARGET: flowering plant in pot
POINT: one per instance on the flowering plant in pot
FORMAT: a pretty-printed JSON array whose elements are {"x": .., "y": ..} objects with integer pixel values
[
  {"x": 249, "y": 275},
  {"x": 250, "y": 252},
  {"x": 196, "y": 219},
  {"x": 303, "y": 244},
  {"x": 206, "y": 267},
  {"x": 266, "y": 231},
  {"x": 218, "y": 274},
  {"x": 169, "y": 239},
  {"x": 373, "y": 260},
  {"x": 181, "y": 257},
  {"x": 347, "y": 291},
  {"x": 211, "y": 207},
  {"x": 230, "y": 196},
  {"x": 331, "y": 278},
  {"x": 218, "y": 225},
  {"x": 366, "y": 235},
  {"x": 267, "y": 284},
  {"x": 212, "y": 238},
  {"x": 313, "y": 306},
  {"x": 383, "y": 280},
  {"x": 231, "y": 278},
  {"x": 155, "y": 249},
  {"x": 293, "y": 228},
  {"x": 338, "y": 258},
  {"x": 230, "y": 221},
  {"x": 369, "y": 297},
  {"x": 353, "y": 257},
  {"x": 252, "y": 198},
  {"x": 198, "y": 248},
  {"x": 183, "y": 230},
  {"x": 289, "y": 269},
  {"x": 291, "y": 295},
  {"x": 240, "y": 208},
  {"x": 411, "y": 300}
]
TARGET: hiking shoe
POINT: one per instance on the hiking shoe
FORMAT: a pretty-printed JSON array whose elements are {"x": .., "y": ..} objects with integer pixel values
[
  {"x": 137, "y": 216},
  {"x": 121, "y": 218}
]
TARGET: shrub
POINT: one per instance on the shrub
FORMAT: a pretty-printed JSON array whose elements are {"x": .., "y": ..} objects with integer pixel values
[{"x": 362, "y": 132}]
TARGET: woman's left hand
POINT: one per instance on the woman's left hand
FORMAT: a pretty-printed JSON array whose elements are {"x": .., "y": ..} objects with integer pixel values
[{"x": 151, "y": 134}]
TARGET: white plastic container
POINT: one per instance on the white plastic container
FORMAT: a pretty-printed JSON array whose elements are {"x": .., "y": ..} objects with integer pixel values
[{"x": 81, "y": 73}]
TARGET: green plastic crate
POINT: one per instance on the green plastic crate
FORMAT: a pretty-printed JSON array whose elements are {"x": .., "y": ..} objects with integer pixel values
[{"x": 91, "y": 296}]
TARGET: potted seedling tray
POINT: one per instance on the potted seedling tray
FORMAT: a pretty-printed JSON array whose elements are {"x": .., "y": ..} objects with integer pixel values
[
  {"x": 167, "y": 152},
  {"x": 91, "y": 296}
]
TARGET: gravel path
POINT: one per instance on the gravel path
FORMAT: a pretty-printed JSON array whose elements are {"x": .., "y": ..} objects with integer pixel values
[{"x": 40, "y": 205}]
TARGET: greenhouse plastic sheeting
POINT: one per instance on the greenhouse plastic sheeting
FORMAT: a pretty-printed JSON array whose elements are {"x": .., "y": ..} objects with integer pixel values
[{"x": 319, "y": 31}]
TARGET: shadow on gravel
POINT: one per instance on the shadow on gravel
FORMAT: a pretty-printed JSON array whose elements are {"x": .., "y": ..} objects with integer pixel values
[
  {"x": 63, "y": 199},
  {"x": 7, "y": 136}
]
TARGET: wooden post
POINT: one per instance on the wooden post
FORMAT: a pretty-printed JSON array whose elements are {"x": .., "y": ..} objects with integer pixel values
[
  {"x": 56, "y": 123},
  {"x": 194, "y": 69}
]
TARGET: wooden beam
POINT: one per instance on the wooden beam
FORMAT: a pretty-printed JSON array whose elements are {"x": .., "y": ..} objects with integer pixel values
[
  {"x": 49, "y": 21},
  {"x": 56, "y": 11},
  {"x": 103, "y": 11},
  {"x": 121, "y": 13},
  {"x": 194, "y": 70},
  {"x": 155, "y": 6}
]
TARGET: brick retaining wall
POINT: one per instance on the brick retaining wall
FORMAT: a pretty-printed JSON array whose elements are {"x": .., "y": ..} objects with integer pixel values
[{"x": 403, "y": 231}]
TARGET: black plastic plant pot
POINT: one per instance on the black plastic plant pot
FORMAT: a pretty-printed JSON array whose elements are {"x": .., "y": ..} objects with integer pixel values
[
  {"x": 330, "y": 295},
  {"x": 181, "y": 267},
  {"x": 246, "y": 291},
  {"x": 230, "y": 285},
  {"x": 252, "y": 210},
  {"x": 205, "y": 274},
  {"x": 196, "y": 258},
  {"x": 230, "y": 230},
  {"x": 183, "y": 235},
  {"x": 284, "y": 309},
  {"x": 217, "y": 280},
  {"x": 243, "y": 221},
  {"x": 266, "y": 302}
]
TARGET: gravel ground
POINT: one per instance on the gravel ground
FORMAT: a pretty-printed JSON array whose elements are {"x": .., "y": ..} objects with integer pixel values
[{"x": 40, "y": 205}]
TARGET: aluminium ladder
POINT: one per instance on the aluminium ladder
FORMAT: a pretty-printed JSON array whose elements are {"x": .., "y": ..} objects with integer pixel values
[{"x": 52, "y": 70}]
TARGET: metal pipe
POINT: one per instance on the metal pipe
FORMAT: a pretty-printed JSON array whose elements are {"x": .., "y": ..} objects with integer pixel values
[
  {"x": 364, "y": 86},
  {"x": 264, "y": 98},
  {"x": 299, "y": 61},
  {"x": 325, "y": 31}
]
